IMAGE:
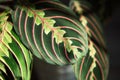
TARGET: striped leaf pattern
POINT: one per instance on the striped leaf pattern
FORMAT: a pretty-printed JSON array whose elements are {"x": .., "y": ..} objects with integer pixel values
[
  {"x": 95, "y": 65},
  {"x": 15, "y": 59},
  {"x": 51, "y": 31}
]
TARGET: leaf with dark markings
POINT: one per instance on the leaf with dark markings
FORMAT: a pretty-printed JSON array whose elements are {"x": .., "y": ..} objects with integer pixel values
[
  {"x": 95, "y": 65},
  {"x": 46, "y": 30}
]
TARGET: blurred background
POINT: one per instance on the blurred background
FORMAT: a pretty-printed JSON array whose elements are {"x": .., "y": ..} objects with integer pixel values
[{"x": 112, "y": 34}]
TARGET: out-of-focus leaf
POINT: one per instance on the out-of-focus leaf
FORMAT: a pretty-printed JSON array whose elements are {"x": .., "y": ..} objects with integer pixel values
[
  {"x": 95, "y": 65},
  {"x": 15, "y": 59},
  {"x": 96, "y": 6}
]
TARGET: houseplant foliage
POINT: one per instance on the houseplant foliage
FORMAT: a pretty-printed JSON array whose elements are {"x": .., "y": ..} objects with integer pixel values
[
  {"x": 55, "y": 33},
  {"x": 96, "y": 61},
  {"x": 54, "y": 36},
  {"x": 15, "y": 59}
]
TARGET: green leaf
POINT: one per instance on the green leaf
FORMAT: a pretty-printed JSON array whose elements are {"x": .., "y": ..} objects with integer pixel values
[
  {"x": 13, "y": 54},
  {"x": 93, "y": 66},
  {"x": 44, "y": 32}
]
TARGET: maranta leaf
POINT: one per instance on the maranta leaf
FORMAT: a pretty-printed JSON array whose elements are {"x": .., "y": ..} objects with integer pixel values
[
  {"x": 46, "y": 35},
  {"x": 95, "y": 65},
  {"x": 15, "y": 59}
]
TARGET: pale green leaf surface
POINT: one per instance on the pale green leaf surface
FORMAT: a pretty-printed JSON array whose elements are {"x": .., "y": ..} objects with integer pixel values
[
  {"x": 2, "y": 67},
  {"x": 30, "y": 13},
  {"x": 39, "y": 15},
  {"x": 48, "y": 25},
  {"x": 77, "y": 53},
  {"x": 58, "y": 35},
  {"x": 68, "y": 44}
]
